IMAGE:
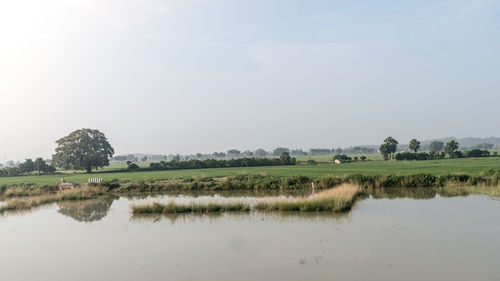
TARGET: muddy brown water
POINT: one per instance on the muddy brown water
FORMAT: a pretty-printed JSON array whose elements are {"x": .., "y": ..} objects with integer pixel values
[{"x": 410, "y": 235}]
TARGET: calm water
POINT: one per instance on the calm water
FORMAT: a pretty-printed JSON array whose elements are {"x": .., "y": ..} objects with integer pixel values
[{"x": 429, "y": 238}]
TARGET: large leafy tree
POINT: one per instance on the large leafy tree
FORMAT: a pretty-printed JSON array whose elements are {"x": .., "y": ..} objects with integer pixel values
[
  {"x": 388, "y": 148},
  {"x": 285, "y": 158},
  {"x": 27, "y": 167},
  {"x": 450, "y": 147},
  {"x": 414, "y": 145},
  {"x": 83, "y": 149},
  {"x": 40, "y": 165},
  {"x": 385, "y": 151}
]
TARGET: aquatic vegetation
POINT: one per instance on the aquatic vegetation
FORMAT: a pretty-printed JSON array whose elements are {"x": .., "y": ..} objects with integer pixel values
[
  {"x": 31, "y": 190},
  {"x": 338, "y": 199},
  {"x": 28, "y": 202},
  {"x": 192, "y": 207}
]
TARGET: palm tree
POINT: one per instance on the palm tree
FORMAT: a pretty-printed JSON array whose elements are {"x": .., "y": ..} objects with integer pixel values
[{"x": 414, "y": 145}]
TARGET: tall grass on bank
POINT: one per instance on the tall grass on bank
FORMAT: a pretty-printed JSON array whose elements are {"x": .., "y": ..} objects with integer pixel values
[
  {"x": 28, "y": 202},
  {"x": 338, "y": 199},
  {"x": 192, "y": 207},
  {"x": 30, "y": 190}
]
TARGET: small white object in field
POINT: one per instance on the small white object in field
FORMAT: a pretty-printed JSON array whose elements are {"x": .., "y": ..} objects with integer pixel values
[{"x": 95, "y": 180}]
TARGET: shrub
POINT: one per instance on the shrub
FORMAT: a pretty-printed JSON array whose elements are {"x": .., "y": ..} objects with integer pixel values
[
  {"x": 110, "y": 184},
  {"x": 342, "y": 158},
  {"x": 311, "y": 162}
]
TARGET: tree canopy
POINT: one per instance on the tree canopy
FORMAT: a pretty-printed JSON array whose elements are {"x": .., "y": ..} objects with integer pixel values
[
  {"x": 450, "y": 147},
  {"x": 414, "y": 145},
  {"x": 83, "y": 149},
  {"x": 388, "y": 148},
  {"x": 285, "y": 158}
]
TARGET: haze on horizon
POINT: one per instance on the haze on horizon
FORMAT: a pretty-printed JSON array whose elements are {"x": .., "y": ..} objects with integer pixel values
[{"x": 202, "y": 76}]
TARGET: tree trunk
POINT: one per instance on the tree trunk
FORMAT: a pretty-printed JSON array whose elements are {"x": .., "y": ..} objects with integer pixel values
[{"x": 89, "y": 169}]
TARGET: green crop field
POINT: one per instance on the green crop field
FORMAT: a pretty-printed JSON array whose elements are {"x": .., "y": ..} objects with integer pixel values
[{"x": 436, "y": 167}]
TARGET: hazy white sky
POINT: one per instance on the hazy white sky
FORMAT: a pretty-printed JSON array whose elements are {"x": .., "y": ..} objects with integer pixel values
[{"x": 202, "y": 76}]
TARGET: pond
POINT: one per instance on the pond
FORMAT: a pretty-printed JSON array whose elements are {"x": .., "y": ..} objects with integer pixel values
[{"x": 390, "y": 235}]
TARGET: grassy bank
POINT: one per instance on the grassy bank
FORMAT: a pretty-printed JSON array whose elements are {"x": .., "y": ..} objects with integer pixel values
[
  {"x": 263, "y": 182},
  {"x": 368, "y": 168},
  {"x": 268, "y": 182}
]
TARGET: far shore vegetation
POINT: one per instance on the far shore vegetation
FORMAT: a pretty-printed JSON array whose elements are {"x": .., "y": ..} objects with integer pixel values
[{"x": 27, "y": 196}]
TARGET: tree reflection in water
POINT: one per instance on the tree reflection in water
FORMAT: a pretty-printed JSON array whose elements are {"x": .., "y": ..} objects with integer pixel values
[{"x": 86, "y": 210}]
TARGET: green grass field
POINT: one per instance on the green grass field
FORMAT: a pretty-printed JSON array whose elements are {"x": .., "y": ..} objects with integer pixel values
[{"x": 436, "y": 167}]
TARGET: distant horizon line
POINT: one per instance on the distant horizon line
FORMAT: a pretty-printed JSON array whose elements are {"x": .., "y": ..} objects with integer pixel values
[{"x": 479, "y": 139}]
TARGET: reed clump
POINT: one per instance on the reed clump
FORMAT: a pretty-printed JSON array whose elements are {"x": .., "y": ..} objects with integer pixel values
[
  {"x": 27, "y": 190},
  {"x": 192, "y": 207},
  {"x": 338, "y": 199},
  {"x": 28, "y": 202}
]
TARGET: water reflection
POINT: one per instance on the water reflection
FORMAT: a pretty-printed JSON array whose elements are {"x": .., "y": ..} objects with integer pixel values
[
  {"x": 97, "y": 209},
  {"x": 86, "y": 210},
  {"x": 245, "y": 217},
  {"x": 395, "y": 193},
  {"x": 24, "y": 212},
  {"x": 222, "y": 193},
  {"x": 390, "y": 240}
]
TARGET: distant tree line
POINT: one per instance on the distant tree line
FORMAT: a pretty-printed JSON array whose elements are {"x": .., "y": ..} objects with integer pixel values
[
  {"x": 235, "y": 153},
  {"x": 475, "y": 153},
  {"x": 484, "y": 146},
  {"x": 283, "y": 160},
  {"x": 437, "y": 150},
  {"x": 28, "y": 167},
  {"x": 342, "y": 158}
]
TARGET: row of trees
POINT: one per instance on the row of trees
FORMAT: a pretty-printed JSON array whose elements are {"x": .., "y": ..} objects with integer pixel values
[
  {"x": 283, "y": 160},
  {"x": 342, "y": 158},
  {"x": 390, "y": 146},
  {"x": 28, "y": 167},
  {"x": 439, "y": 155},
  {"x": 235, "y": 153},
  {"x": 414, "y": 145}
]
